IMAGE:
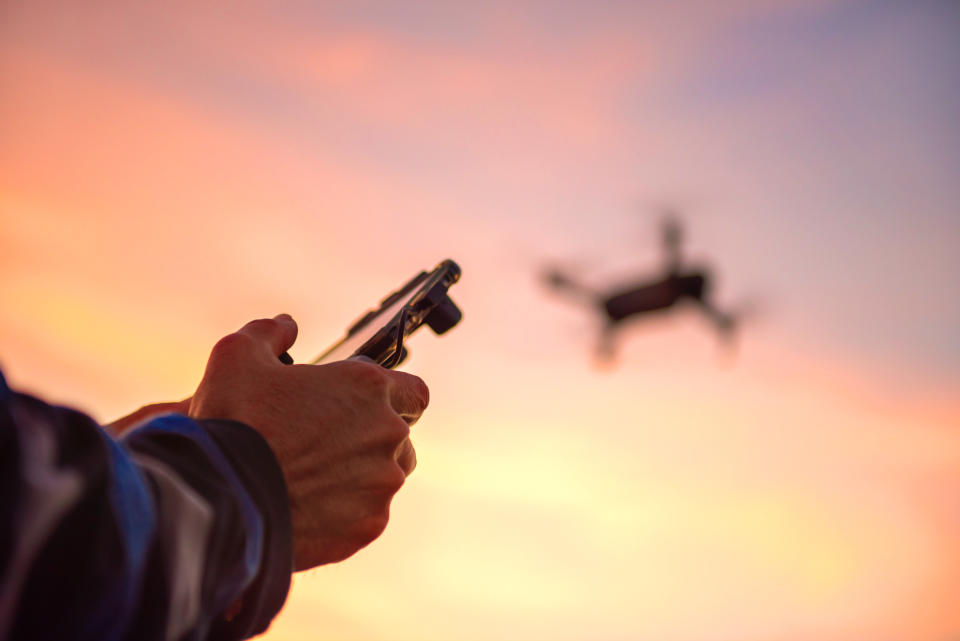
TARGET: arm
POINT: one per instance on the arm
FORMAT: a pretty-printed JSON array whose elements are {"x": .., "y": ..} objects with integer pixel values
[
  {"x": 149, "y": 538},
  {"x": 100, "y": 538}
]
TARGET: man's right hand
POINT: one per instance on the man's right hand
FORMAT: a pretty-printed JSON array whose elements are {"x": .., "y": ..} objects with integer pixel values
[{"x": 339, "y": 431}]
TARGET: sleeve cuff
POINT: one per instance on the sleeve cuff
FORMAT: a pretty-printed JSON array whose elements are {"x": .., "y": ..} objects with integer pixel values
[{"x": 258, "y": 469}]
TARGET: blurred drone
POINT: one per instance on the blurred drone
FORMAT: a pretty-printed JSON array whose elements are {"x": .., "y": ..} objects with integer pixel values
[{"x": 676, "y": 285}]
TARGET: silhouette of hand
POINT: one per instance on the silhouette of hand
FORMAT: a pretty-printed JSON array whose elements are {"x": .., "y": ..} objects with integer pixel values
[{"x": 340, "y": 432}]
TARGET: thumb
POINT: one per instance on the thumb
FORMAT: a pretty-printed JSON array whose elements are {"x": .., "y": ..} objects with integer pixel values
[{"x": 277, "y": 333}]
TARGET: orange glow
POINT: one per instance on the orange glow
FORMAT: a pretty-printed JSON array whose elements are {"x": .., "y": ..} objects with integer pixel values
[{"x": 167, "y": 174}]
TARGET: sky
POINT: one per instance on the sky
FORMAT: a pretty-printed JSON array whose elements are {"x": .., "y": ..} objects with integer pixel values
[{"x": 169, "y": 172}]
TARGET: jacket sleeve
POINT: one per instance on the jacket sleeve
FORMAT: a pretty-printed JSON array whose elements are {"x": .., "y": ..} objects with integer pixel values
[{"x": 179, "y": 530}]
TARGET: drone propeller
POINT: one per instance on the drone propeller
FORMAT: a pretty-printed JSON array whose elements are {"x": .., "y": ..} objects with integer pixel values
[
  {"x": 671, "y": 236},
  {"x": 671, "y": 229}
]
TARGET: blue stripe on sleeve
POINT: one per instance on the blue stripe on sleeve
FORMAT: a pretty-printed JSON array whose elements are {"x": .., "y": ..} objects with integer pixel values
[
  {"x": 136, "y": 518},
  {"x": 253, "y": 549}
]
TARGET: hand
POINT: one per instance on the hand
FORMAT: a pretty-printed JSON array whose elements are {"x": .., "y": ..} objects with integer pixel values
[
  {"x": 146, "y": 413},
  {"x": 339, "y": 431}
]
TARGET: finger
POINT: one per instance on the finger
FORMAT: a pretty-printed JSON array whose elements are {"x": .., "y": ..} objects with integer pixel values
[
  {"x": 147, "y": 412},
  {"x": 409, "y": 395},
  {"x": 277, "y": 333},
  {"x": 406, "y": 457},
  {"x": 181, "y": 407}
]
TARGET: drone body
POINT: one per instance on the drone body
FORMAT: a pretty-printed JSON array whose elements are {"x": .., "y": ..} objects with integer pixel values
[{"x": 676, "y": 285}]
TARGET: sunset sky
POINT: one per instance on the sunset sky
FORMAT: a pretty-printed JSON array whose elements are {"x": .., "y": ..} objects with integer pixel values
[{"x": 169, "y": 171}]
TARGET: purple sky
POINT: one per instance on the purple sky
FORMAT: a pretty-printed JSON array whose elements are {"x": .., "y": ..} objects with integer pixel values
[{"x": 169, "y": 171}]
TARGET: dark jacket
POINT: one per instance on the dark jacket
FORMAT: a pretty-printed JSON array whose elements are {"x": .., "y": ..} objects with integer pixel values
[{"x": 178, "y": 530}]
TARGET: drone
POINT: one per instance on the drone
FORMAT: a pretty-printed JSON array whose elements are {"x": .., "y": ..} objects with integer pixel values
[{"x": 676, "y": 285}]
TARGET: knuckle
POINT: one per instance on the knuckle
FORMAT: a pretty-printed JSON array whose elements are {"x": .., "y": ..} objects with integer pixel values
[
  {"x": 394, "y": 478},
  {"x": 368, "y": 528},
  {"x": 262, "y": 325},
  {"x": 371, "y": 527},
  {"x": 419, "y": 390},
  {"x": 396, "y": 430},
  {"x": 414, "y": 388},
  {"x": 422, "y": 391},
  {"x": 369, "y": 376},
  {"x": 230, "y": 346},
  {"x": 406, "y": 457},
  {"x": 411, "y": 462}
]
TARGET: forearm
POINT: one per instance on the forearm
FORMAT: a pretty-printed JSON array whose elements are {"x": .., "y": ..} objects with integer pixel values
[{"x": 154, "y": 536}]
